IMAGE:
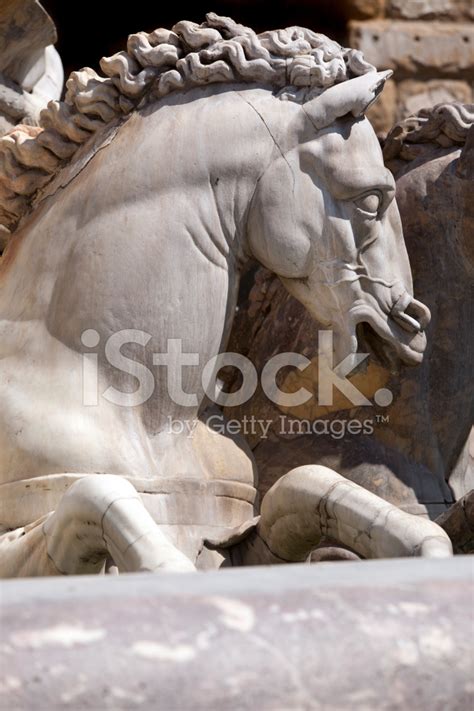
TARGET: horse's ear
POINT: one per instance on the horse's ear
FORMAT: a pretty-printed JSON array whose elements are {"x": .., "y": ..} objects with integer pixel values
[
  {"x": 372, "y": 93},
  {"x": 349, "y": 97}
]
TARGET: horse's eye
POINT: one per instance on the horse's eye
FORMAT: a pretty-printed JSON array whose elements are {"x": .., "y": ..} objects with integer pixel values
[{"x": 370, "y": 203}]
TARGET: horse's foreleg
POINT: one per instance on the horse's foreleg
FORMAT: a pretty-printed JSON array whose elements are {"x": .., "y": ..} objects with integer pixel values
[
  {"x": 100, "y": 516},
  {"x": 312, "y": 501}
]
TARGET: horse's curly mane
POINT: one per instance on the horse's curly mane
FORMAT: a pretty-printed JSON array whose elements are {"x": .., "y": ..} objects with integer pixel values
[
  {"x": 445, "y": 125},
  {"x": 155, "y": 64}
]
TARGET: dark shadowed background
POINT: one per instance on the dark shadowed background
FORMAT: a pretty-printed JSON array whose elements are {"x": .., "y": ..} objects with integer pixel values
[
  {"x": 101, "y": 28},
  {"x": 429, "y": 45}
]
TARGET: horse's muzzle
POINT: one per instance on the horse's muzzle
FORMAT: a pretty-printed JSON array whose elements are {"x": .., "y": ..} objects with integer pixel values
[{"x": 410, "y": 314}]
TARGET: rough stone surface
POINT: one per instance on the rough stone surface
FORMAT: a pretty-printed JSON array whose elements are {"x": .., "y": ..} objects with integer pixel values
[
  {"x": 458, "y": 10},
  {"x": 371, "y": 636},
  {"x": 431, "y": 49},
  {"x": 414, "y": 95}
]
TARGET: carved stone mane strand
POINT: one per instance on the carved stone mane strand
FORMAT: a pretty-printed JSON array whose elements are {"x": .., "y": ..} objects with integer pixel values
[
  {"x": 155, "y": 64},
  {"x": 445, "y": 125}
]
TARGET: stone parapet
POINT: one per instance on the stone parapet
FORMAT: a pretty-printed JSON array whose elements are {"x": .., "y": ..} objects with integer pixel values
[{"x": 353, "y": 635}]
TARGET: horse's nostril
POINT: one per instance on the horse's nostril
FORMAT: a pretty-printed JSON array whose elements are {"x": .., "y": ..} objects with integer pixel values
[
  {"x": 407, "y": 322},
  {"x": 414, "y": 317},
  {"x": 419, "y": 312}
]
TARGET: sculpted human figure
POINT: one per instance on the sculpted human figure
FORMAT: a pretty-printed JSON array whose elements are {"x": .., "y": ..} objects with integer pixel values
[
  {"x": 131, "y": 210},
  {"x": 31, "y": 72}
]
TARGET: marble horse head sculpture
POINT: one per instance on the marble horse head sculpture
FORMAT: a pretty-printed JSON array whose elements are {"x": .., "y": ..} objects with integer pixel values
[{"x": 128, "y": 213}]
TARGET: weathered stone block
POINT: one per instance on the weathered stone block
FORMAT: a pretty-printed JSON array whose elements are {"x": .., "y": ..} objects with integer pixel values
[
  {"x": 415, "y": 95},
  {"x": 427, "y": 49},
  {"x": 458, "y": 10}
]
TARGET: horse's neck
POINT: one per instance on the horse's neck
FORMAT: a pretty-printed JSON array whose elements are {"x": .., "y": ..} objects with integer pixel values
[{"x": 147, "y": 236}]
